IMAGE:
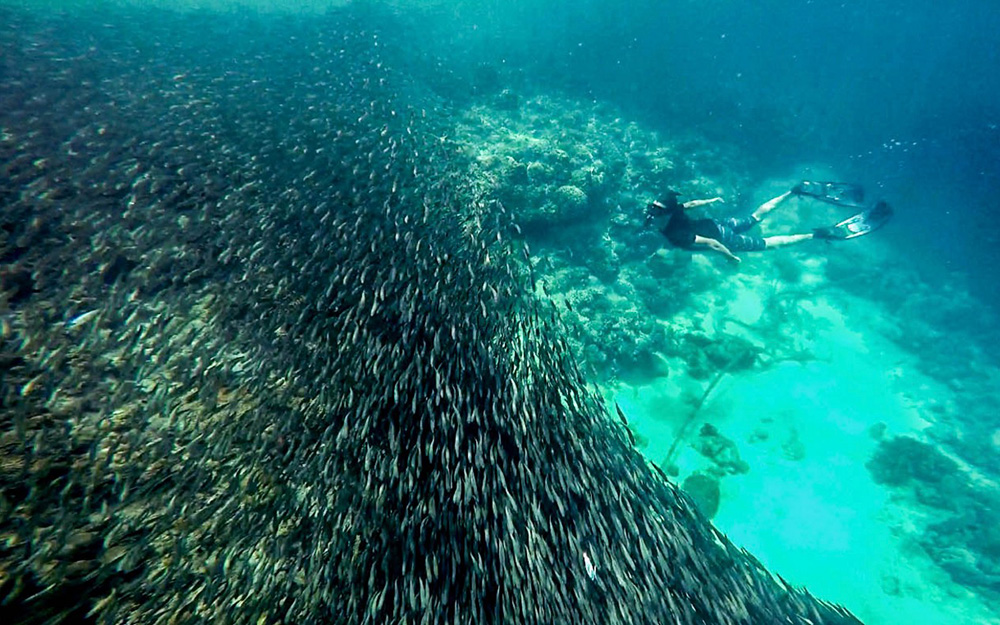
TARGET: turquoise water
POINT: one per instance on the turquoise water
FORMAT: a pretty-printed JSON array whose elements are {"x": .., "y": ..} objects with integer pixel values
[{"x": 307, "y": 309}]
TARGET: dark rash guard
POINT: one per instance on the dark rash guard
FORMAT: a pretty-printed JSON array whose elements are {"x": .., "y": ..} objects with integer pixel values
[{"x": 681, "y": 229}]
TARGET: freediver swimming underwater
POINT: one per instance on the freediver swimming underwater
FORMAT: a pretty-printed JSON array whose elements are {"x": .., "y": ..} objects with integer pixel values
[{"x": 730, "y": 234}]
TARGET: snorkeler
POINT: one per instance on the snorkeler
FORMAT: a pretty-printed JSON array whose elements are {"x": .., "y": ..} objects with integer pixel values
[{"x": 728, "y": 235}]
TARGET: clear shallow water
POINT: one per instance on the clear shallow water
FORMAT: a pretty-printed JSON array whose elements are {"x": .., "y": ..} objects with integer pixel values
[
  {"x": 808, "y": 505},
  {"x": 575, "y": 115}
]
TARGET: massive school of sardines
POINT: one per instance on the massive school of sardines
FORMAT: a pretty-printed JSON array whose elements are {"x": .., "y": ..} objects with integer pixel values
[{"x": 269, "y": 354}]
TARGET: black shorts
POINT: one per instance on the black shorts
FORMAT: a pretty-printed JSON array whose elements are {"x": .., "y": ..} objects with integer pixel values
[{"x": 730, "y": 234}]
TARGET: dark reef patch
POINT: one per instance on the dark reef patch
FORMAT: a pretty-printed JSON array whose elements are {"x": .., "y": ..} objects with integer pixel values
[
  {"x": 901, "y": 459},
  {"x": 961, "y": 538}
]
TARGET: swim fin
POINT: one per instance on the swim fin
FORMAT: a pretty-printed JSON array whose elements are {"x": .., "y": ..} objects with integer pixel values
[
  {"x": 839, "y": 193},
  {"x": 862, "y": 223}
]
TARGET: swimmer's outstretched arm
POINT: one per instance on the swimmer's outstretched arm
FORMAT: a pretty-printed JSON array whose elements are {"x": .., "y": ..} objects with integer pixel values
[{"x": 696, "y": 203}]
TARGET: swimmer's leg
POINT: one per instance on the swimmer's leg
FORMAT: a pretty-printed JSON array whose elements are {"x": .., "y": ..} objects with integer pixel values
[
  {"x": 785, "y": 239},
  {"x": 770, "y": 205}
]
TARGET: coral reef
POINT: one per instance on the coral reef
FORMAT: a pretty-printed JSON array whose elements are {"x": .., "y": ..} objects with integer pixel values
[
  {"x": 903, "y": 458},
  {"x": 571, "y": 170},
  {"x": 703, "y": 489},
  {"x": 966, "y": 542}
]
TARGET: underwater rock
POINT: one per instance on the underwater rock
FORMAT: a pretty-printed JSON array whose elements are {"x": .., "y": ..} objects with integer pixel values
[
  {"x": 792, "y": 448},
  {"x": 722, "y": 451},
  {"x": 642, "y": 366},
  {"x": 707, "y": 356},
  {"x": 704, "y": 491},
  {"x": 759, "y": 435},
  {"x": 890, "y": 585},
  {"x": 698, "y": 364},
  {"x": 878, "y": 430}
]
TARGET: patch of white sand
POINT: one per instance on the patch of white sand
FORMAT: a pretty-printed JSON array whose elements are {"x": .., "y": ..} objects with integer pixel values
[{"x": 808, "y": 508}]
